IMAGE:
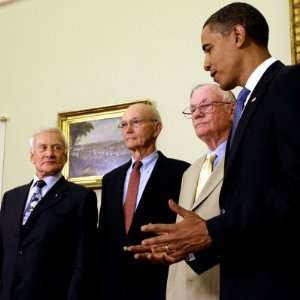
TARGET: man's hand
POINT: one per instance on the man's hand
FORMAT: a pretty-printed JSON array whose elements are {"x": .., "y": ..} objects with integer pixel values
[{"x": 174, "y": 241}]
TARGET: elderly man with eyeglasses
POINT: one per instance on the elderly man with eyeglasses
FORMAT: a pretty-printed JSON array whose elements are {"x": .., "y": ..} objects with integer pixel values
[
  {"x": 211, "y": 111},
  {"x": 134, "y": 194}
]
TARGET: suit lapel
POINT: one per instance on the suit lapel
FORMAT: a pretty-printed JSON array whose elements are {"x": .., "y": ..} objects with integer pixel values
[
  {"x": 53, "y": 196},
  {"x": 256, "y": 98},
  {"x": 215, "y": 178},
  {"x": 189, "y": 184},
  {"x": 20, "y": 202},
  {"x": 118, "y": 197},
  {"x": 153, "y": 181}
]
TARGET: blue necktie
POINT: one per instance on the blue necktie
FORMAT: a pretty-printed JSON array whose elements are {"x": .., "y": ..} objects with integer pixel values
[
  {"x": 243, "y": 94},
  {"x": 36, "y": 197}
]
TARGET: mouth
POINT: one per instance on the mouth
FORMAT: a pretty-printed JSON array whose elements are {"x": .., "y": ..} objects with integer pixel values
[
  {"x": 213, "y": 74},
  {"x": 50, "y": 162},
  {"x": 200, "y": 124}
]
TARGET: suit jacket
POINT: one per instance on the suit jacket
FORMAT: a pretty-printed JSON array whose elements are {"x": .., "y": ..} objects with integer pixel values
[
  {"x": 52, "y": 256},
  {"x": 254, "y": 238},
  {"x": 183, "y": 282},
  {"x": 120, "y": 275}
]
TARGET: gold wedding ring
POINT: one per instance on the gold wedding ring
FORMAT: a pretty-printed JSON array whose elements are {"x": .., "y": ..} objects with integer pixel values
[{"x": 167, "y": 248}]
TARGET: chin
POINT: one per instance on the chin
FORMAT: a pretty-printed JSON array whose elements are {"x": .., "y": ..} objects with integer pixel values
[
  {"x": 227, "y": 86},
  {"x": 131, "y": 147}
]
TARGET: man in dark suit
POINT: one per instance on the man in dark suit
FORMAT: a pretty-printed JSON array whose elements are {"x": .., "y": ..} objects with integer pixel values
[
  {"x": 48, "y": 230},
  {"x": 122, "y": 277},
  {"x": 254, "y": 238}
]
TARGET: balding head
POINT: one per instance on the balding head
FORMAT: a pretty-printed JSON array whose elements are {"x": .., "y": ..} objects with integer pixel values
[
  {"x": 141, "y": 125},
  {"x": 145, "y": 110}
]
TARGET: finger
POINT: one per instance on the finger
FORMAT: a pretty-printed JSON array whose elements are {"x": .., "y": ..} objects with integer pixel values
[
  {"x": 177, "y": 256},
  {"x": 154, "y": 258},
  {"x": 142, "y": 256},
  {"x": 137, "y": 249},
  {"x": 179, "y": 210},
  {"x": 160, "y": 240},
  {"x": 169, "y": 259},
  {"x": 160, "y": 229}
]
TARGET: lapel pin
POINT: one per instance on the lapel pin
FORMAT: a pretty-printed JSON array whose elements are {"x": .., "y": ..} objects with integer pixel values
[{"x": 252, "y": 100}]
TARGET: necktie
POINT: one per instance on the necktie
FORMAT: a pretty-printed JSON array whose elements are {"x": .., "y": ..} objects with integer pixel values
[
  {"x": 243, "y": 94},
  {"x": 36, "y": 197},
  {"x": 205, "y": 172},
  {"x": 132, "y": 191}
]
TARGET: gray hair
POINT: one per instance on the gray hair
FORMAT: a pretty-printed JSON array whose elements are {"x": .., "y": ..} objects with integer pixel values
[
  {"x": 49, "y": 130},
  {"x": 227, "y": 95}
]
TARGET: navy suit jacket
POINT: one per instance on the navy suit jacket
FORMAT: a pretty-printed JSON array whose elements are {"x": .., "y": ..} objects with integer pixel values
[
  {"x": 255, "y": 237},
  {"x": 53, "y": 255},
  {"x": 120, "y": 275}
]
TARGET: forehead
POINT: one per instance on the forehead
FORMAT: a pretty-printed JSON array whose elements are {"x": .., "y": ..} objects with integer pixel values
[
  {"x": 137, "y": 111},
  {"x": 210, "y": 36},
  {"x": 48, "y": 138},
  {"x": 205, "y": 94}
]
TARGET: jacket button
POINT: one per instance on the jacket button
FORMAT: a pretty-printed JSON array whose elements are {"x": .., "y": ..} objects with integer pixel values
[
  {"x": 223, "y": 211},
  {"x": 20, "y": 252}
]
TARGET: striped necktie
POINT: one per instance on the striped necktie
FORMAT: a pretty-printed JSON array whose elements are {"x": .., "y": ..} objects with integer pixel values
[{"x": 34, "y": 200}]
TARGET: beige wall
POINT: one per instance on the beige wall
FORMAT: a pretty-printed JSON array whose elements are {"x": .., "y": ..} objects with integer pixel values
[{"x": 63, "y": 55}]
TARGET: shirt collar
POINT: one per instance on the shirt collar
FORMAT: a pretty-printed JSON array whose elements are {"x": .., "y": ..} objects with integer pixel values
[
  {"x": 258, "y": 73},
  {"x": 220, "y": 150},
  {"x": 147, "y": 160},
  {"x": 49, "y": 180}
]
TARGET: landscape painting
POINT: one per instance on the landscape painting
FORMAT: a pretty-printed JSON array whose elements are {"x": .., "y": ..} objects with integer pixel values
[{"x": 95, "y": 144}]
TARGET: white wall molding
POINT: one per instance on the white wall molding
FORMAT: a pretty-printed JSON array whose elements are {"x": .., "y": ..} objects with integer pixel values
[{"x": 3, "y": 121}]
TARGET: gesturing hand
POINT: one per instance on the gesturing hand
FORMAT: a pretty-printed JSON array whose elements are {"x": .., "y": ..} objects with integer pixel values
[{"x": 174, "y": 242}]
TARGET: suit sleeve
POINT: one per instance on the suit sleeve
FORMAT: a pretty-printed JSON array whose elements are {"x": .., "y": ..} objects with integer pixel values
[
  {"x": 1, "y": 237},
  {"x": 83, "y": 277},
  {"x": 101, "y": 240}
]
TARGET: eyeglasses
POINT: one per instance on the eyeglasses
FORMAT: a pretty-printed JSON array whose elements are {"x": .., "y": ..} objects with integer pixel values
[
  {"x": 134, "y": 123},
  {"x": 202, "y": 108}
]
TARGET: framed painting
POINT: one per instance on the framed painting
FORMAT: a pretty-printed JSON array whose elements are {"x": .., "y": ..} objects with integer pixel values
[
  {"x": 95, "y": 143},
  {"x": 295, "y": 30}
]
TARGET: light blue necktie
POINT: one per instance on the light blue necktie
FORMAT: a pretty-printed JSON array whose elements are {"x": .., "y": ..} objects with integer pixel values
[
  {"x": 34, "y": 200},
  {"x": 243, "y": 94}
]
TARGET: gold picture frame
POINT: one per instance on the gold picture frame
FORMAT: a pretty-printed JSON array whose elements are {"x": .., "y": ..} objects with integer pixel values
[
  {"x": 295, "y": 30},
  {"x": 95, "y": 143}
]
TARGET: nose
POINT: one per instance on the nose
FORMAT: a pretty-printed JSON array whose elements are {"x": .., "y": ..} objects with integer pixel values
[
  {"x": 197, "y": 114},
  {"x": 128, "y": 127},
  {"x": 50, "y": 151},
  {"x": 206, "y": 64}
]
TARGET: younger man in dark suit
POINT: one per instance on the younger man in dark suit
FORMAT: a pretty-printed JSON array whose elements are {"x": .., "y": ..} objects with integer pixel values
[
  {"x": 131, "y": 198},
  {"x": 255, "y": 237},
  {"x": 48, "y": 230}
]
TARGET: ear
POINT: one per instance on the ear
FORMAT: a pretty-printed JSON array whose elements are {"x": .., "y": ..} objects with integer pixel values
[
  {"x": 66, "y": 157},
  {"x": 239, "y": 35},
  {"x": 31, "y": 157},
  {"x": 157, "y": 129}
]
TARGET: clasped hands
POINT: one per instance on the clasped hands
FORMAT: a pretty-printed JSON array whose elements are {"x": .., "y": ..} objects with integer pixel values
[{"x": 174, "y": 242}]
